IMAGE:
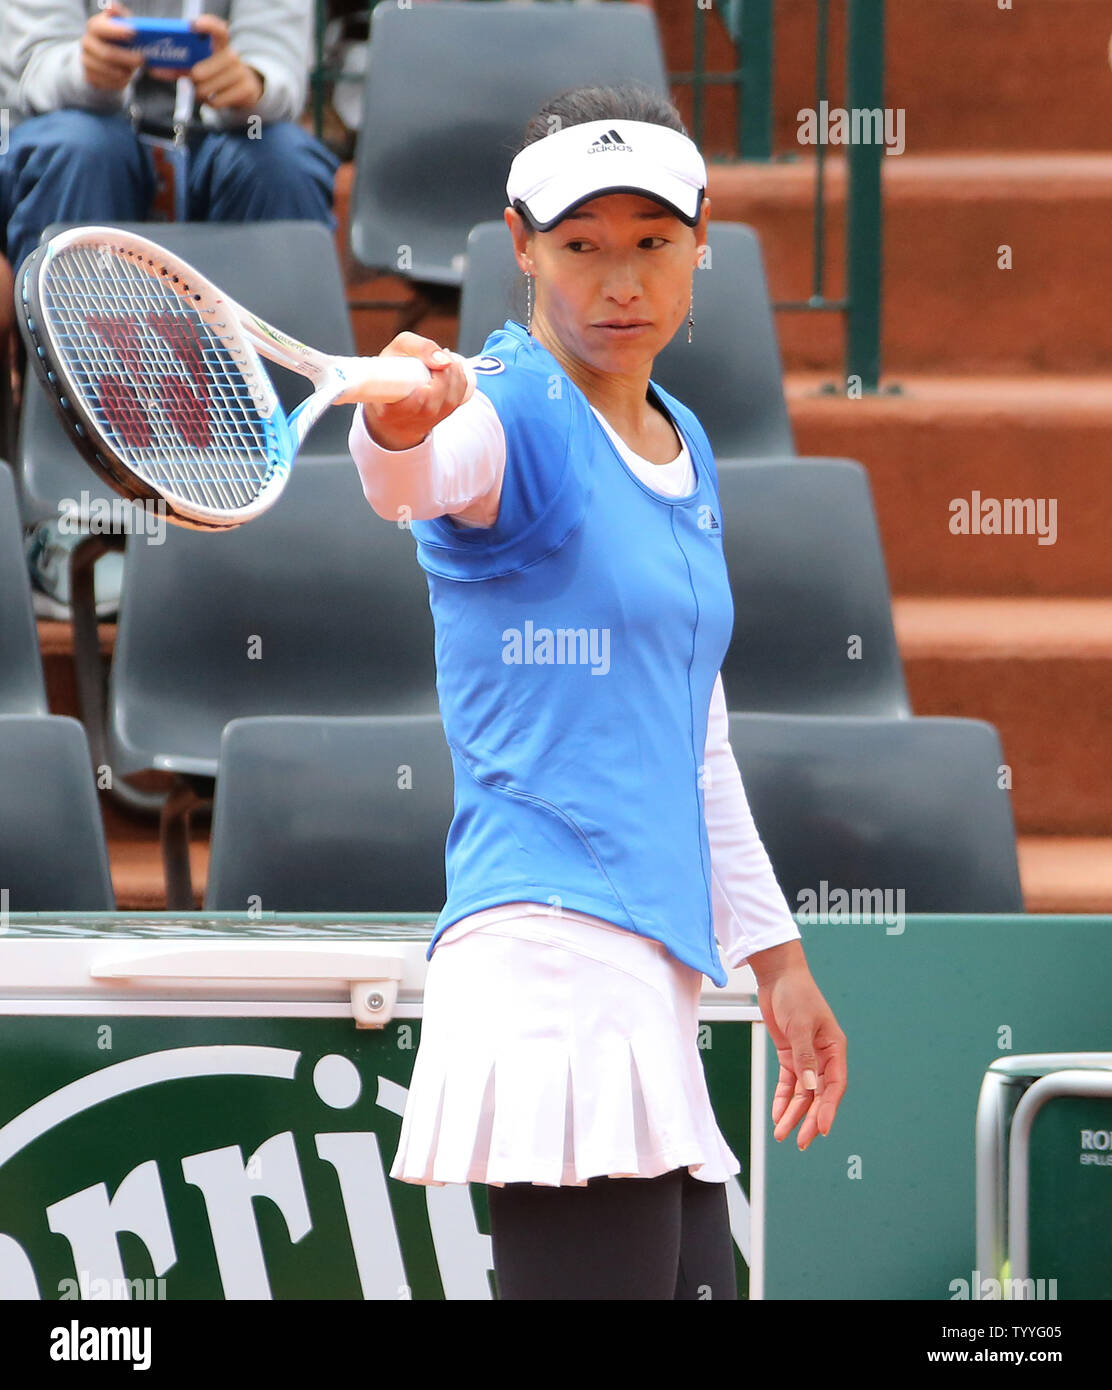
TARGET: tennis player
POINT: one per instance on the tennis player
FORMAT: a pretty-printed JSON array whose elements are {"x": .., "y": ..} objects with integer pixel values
[{"x": 568, "y": 521}]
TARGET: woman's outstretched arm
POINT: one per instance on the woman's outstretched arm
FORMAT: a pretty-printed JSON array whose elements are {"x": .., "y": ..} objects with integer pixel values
[
  {"x": 455, "y": 471},
  {"x": 429, "y": 455}
]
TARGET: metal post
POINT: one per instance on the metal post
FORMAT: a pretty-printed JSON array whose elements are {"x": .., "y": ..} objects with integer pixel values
[
  {"x": 755, "y": 30},
  {"x": 818, "y": 265},
  {"x": 319, "y": 75},
  {"x": 698, "y": 72},
  {"x": 864, "y": 209}
]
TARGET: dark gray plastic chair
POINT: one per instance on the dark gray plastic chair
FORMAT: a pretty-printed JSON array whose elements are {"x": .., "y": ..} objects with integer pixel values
[
  {"x": 807, "y": 574},
  {"x": 317, "y": 607},
  {"x": 287, "y": 272},
  {"x": 53, "y": 856},
  {"x": 730, "y": 374},
  {"x": 874, "y": 804},
  {"x": 448, "y": 91},
  {"x": 22, "y": 690},
  {"x": 309, "y": 815}
]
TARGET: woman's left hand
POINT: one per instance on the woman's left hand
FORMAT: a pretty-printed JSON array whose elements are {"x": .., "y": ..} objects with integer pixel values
[{"x": 812, "y": 1052}]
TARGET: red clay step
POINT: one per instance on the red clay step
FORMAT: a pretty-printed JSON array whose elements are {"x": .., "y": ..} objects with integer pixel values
[
  {"x": 947, "y": 305},
  {"x": 1057, "y": 873},
  {"x": 137, "y": 877},
  {"x": 1065, "y": 874},
  {"x": 947, "y": 438},
  {"x": 1040, "y": 670}
]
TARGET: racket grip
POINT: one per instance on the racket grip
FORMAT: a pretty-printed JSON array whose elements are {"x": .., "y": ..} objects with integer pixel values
[
  {"x": 387, "y": 379},
  {"x": 468, "y": 371}
]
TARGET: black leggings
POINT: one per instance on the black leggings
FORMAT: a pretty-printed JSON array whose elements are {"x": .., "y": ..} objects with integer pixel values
[{"x": 617, "y": 1238}]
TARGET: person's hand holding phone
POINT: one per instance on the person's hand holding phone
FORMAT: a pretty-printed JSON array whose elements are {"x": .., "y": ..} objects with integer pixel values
[
  {"x": 223, "y": 80},
  {"x": 105, "y": 61}
]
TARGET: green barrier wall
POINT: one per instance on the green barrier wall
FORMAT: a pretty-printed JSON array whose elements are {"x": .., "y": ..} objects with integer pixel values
[{"x": 883, "y": 1207}]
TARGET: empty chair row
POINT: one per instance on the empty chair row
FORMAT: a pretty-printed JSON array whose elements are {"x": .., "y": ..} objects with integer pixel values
[
  {"x": 320, "y": 607},
  {"x": 351, "y": 814}
]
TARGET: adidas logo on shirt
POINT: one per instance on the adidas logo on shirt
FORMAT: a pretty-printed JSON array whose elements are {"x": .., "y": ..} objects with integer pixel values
[{"x": 609, "y": 140}]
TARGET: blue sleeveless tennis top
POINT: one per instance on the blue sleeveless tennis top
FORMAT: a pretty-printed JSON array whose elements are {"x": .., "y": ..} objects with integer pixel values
[{"x": 577, "y": 644}]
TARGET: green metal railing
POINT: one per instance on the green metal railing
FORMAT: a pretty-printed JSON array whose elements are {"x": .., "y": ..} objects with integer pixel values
[
  {"x": 751, "y": 25},
  {"x": 864, "y": 200}
]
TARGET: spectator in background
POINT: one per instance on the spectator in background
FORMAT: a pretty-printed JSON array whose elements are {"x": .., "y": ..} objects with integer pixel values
[{"x": 73, "y": 151}]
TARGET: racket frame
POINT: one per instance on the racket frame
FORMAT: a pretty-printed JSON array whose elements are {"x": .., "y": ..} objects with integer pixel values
[{"x": 242, "y": 333}]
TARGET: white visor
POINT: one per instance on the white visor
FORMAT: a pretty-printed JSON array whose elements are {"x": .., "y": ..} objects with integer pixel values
[{"x": 553, "y": 175}]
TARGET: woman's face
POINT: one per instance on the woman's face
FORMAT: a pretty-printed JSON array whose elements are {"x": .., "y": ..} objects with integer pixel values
[{"x": 620, "y": 259}]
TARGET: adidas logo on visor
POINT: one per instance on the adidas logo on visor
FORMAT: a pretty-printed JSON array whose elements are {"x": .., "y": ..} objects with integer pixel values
[{"x": 609, "y": 140}]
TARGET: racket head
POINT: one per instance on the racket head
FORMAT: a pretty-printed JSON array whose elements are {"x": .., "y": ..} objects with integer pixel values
[{"x": 152, "y": 377}]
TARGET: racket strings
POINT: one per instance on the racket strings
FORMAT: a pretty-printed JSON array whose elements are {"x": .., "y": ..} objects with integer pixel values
[{"x": 179, "y": 405}]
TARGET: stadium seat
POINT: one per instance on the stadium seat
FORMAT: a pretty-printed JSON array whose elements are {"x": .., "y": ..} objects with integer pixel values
[
  {"x": 874, "y": 804},
  {"x": 448, "y": 90},
  {"x": 53, "y": 855},
  {"x": 812, "y": 614},
  {"x": 732, "y": 380},
  {"x": 21, "y": 677},
  {"x": 317, "y": 607},
  {"x": 331, "y": 815},
  {"x": 252, "y": 263}
]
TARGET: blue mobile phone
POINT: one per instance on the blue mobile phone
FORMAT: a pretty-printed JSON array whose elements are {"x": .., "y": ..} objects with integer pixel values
[{"x": 168, "y": 43}]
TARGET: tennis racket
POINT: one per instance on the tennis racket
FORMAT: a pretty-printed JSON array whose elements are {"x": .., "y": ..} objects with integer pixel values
[{"x": 156, "y": 376}]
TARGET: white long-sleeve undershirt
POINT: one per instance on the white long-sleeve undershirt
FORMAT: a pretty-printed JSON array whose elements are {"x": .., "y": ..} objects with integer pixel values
[{"x": 457, "y": 471}]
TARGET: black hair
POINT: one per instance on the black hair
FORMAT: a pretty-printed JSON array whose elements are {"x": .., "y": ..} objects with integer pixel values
[{"x": 627, "y": 101}]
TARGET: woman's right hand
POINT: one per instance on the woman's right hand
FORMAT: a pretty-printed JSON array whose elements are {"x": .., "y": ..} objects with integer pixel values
[{"x": 404, "y": 424}]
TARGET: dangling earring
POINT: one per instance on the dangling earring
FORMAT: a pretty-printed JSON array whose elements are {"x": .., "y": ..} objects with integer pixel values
[
  {"x": 690, "y": 317},
  {"x": 529, "y": 319}
]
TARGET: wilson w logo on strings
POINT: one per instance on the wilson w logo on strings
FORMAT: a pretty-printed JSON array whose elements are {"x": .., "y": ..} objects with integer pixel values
[{"x": 128, "y": 401}]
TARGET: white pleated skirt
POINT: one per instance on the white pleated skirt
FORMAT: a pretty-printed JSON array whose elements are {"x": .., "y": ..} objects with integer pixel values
[{"x": 554, "y": 1050}]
